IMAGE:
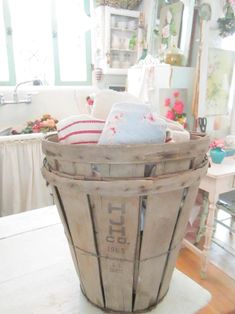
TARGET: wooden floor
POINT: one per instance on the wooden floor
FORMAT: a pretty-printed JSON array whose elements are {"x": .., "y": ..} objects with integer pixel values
[{"x": 221, "y": 286}]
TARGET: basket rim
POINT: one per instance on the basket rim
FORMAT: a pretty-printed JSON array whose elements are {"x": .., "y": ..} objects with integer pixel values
[
  {"x": 126, "y": 154},
  {"x": 194, "y": 136}
]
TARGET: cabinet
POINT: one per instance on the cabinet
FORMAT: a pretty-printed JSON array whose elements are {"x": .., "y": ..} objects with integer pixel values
[
  {"x": 121, "y": 39},
  {"x": 117, "y": 41}
]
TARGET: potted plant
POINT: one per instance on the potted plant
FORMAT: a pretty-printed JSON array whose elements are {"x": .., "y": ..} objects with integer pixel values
[
  {"x": 217, "y": 152},
  {"x": 227, "y": 23}
]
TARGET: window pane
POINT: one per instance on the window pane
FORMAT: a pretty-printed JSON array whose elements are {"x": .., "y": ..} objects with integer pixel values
[
  {"x": 4, "y": 72},
  {"x": 72, "y": 23},
  {"x": 31, "y": 24},
  {"x": 228, "y": 43}
]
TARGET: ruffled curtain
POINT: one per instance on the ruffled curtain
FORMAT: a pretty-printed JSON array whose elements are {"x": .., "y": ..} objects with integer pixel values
[{"x": 22, "y": 186}]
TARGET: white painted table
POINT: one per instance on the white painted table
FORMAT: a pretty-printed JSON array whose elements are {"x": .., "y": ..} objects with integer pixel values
[
  {"x": 37, "y": 274},
  {"x": 220, "y": 179}
]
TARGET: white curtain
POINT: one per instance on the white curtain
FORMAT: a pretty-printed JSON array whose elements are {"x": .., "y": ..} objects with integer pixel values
[{"x": 22, "y": 186}]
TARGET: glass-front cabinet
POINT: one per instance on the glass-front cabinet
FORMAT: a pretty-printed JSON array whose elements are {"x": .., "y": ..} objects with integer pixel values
[
  {"x": 118, "y": 39},
  {"x": 121, "y": 38}
]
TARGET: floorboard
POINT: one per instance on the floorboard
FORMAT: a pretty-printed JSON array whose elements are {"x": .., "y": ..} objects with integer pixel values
[{"x": 221, "y": 286}]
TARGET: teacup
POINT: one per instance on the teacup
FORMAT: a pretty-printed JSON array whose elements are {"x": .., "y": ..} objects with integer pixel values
[
  {"x": 132, "y": 25},
  {"x": 121, "y": 24}
]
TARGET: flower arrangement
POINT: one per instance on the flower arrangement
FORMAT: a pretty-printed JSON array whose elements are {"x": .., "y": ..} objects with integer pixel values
[
  {"x": 226, "y": 24},
  {"x": 176, "y": 109},
  {"x": 45, "y": 124},
  {"x": 169, "y": 28},
  {"x": 217, "y": 144}
]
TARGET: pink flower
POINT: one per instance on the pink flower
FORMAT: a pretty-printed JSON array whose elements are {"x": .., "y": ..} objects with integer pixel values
[
  {"x": 90, "y": 101},
  {"x": 113, "y": 130},
  {"x": 149, "y": 117},
  {"x": 118, "y": 116},
  {"x": 217, "y": 143},
  {"x": 36, "y": 128},
  {"x": 179, "y": 107},
  {"x": 176, "y": 109},
  {"x": 170, "y": 115},
  {"x": 167, "y": 102},
  {"x": 166, "y": 31}
]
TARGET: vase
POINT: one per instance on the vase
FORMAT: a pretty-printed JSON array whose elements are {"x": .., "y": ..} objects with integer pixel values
[
  {"x": 217, "y": 155},
  {"x": 144, "y": 54}
]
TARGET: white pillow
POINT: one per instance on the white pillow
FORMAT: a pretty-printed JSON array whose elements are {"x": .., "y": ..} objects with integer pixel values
[
  {"x": 132, "y": 124},
  {"x": 105, "y": 99},
  {"x": 80, "y": 129}
]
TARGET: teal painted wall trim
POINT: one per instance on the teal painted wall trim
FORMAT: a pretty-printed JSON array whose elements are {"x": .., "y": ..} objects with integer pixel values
[
  {"x": 55, "y": 43},
  {"x": 9, "y": 45},
  {"x": 87, "y": 7}
]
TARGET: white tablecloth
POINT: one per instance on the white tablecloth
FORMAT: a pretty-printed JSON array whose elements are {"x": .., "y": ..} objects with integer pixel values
[{"x": 37, "y": 275}]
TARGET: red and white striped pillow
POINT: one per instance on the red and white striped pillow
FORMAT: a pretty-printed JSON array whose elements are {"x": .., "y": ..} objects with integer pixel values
[{"x": 80, "y": 129}]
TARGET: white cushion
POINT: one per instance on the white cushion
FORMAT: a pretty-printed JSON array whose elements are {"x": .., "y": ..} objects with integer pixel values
[
  {"x": 104, "y": 100},
  {"x": 129, "y": 123}
]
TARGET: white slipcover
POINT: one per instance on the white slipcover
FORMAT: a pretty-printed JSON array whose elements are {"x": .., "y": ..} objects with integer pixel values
[{"x": 22, "y": 186}]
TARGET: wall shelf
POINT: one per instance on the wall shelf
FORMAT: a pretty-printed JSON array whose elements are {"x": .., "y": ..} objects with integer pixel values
[{"x": 123, "y": 50}]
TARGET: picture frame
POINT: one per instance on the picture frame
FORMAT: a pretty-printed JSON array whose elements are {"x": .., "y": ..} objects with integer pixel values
[{"x": 219, "y": 77}]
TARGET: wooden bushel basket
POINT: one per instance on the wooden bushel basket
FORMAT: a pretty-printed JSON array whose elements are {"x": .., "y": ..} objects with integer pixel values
[{"x": 125, "y": 209}]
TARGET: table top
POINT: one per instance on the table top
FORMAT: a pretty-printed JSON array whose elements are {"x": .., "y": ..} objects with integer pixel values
[
  {"x": 37, "y": 275},
  {"x": 227, "y": 167}
]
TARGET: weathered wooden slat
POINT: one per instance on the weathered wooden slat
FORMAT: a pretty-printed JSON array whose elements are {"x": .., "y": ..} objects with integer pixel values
[
  {"x": 130, "y": 187},
  {"x": 82, "y": 169},
  {"x": 80, "y": 225},
  {"x": 117, "y": 171},
  {"x": 197, "y": 161},
  {"x": 63, "y": 217},
  {"x": 179, "y": 233},
  {"x": 100, "y": 170},
  {"x": 116, "y": 227},
  {"x": 65, "y": 167},
  {"x": 160, "y": 218},
  {"x": 170, "y": 166},
  {"x": 125, "y": 154}
]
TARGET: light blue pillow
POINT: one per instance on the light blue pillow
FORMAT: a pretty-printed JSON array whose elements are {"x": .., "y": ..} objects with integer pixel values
[{"x": 131, "y": 123}]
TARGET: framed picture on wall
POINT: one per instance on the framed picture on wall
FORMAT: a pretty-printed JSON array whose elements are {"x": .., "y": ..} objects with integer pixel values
[
  {"x": 219, "y": 78},
  {"x": 173, "y": 104}
]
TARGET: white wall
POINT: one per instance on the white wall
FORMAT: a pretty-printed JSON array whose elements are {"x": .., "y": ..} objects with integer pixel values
[
  {"x": 58, "y": 101},
  {"x": 213, "y": 40}
]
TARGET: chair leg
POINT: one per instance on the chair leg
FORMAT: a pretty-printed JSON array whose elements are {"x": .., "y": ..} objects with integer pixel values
[{"x": 203, "y": 218}]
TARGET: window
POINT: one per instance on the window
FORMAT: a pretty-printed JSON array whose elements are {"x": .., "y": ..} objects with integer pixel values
[
  {"x": 71, "y": 42},
  {"x": 7, "y": 73},
  {"x": 50, "y": 40}
]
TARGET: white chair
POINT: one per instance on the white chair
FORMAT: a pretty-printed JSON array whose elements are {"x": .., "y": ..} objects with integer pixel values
[{"x": 227, "y": 204}]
